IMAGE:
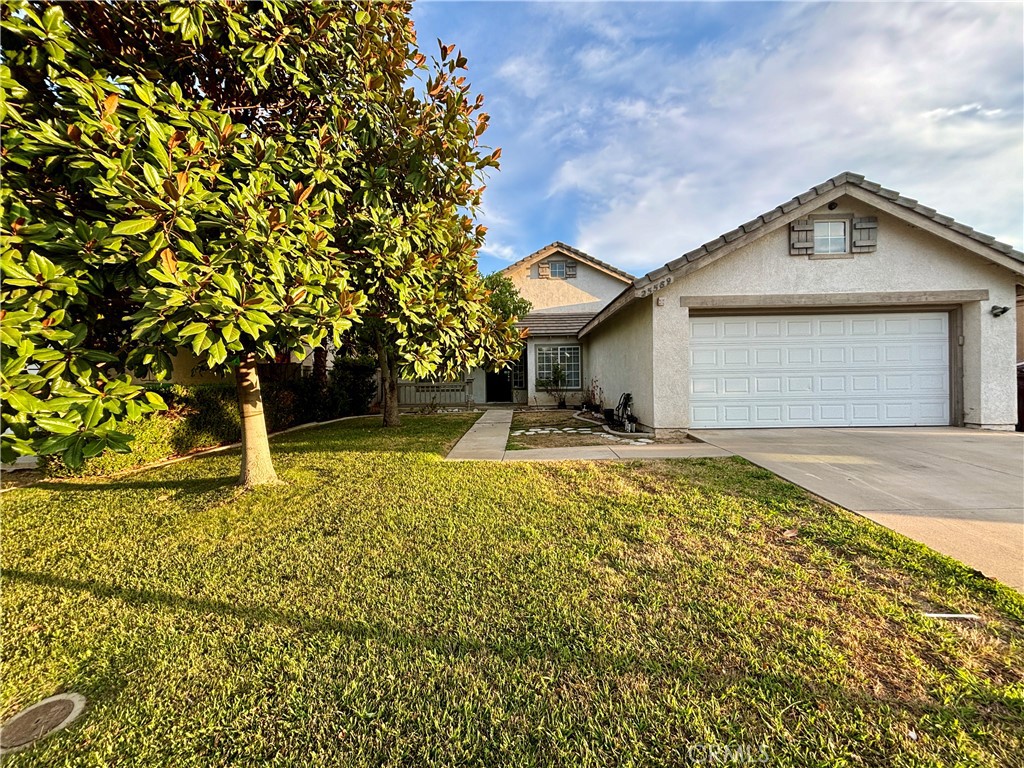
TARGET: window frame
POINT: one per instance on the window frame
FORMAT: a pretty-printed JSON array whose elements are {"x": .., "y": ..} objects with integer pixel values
[
  {"x": 558, "y": 349},
  {"x": 847, "y": 223},
  {"x": 551, "y": 272}
]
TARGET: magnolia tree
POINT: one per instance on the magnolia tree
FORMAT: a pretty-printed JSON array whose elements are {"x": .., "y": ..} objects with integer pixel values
[
  {"x": 429, "y": 313},
  {"x": 182, "y": 176}
]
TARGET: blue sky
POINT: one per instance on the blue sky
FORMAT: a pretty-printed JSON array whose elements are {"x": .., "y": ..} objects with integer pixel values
[{"x": 637, "y": 131}]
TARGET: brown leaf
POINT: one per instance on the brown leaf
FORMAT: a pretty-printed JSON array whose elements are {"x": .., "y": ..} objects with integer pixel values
[
  {"x": 197, "y": 147},
  {"x": 274, "y": 217},
  {"x": 74, "y": 133},
  {"x": 305, "y": 193},
  {"x": 171, "y": 189},
  {"x": 175, "y": 140},
  {"x": 419, "y": 59},
  {"x": 791, "y": 533},
  {"x": 109, "y": 105},
  {"x": 33, "y": 627},
  {"x": 496, "y": 154},
  {"x": 446, "y": 51},
  {"x": 169, "y": 260}
]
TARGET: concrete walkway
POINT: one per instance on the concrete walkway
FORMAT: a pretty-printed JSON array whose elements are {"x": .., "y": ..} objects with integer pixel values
[
  {"x": 486, "y": 440},
  {"x": 617, "y": 452},
  {"x": 960, "y": 491}
]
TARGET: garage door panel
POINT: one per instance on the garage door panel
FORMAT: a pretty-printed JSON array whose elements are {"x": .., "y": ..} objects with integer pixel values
[{"x": 857, "y": 370}]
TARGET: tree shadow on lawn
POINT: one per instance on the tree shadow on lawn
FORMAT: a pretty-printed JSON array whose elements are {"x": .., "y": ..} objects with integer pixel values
[
  {"x": 198, "y": 485},
  {"x": 804, "y": 700},
  {"x": 261, "y": 614}
]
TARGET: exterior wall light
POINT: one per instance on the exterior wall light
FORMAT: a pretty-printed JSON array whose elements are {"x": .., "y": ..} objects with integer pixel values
[{"x": 997, "y": 310}]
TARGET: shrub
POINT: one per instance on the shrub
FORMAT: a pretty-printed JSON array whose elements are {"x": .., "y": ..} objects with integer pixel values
[
  {"x": 351, "y": 385},
  {"x": 198, "y": 416},
  {"x": 206, "y": 415}
]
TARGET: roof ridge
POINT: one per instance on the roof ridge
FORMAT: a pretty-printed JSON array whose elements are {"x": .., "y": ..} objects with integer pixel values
[{"x": 559, "y": 245}]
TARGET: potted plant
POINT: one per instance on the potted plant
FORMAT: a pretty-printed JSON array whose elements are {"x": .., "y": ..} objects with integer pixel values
[{"x": 555, "y": 385}]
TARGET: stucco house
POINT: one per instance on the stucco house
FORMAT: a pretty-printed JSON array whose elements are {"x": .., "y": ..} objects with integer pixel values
[
  {"x": 849, "y": 305},
  {"x": 567, "y": 289}
]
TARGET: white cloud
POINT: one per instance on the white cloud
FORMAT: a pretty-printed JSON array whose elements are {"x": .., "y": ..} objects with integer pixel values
[{"x": 924, "y": 98}]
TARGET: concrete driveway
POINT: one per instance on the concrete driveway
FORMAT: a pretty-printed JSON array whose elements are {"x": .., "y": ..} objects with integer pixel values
[{"x": 960, "y": 491}]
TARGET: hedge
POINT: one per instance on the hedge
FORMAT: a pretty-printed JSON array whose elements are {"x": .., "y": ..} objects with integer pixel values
[{"x": 206, "y": 415}]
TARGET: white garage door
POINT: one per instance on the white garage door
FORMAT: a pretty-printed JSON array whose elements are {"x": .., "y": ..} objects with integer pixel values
[{"x": 820, "y": 370}]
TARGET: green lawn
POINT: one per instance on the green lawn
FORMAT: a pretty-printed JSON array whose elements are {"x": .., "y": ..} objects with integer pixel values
[{"x": 387, "y": 608}]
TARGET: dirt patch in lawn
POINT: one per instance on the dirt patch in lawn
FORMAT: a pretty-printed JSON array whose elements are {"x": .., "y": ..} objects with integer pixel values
[{"x": 560, "y": 429}]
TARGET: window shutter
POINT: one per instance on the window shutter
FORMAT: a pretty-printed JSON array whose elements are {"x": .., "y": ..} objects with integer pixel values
[
  {"x": 570, "y": 269},
  {"x": 865, "y": 235},
  {"x": 543, "y": 270},
  {"x": 801, "y": 237}
]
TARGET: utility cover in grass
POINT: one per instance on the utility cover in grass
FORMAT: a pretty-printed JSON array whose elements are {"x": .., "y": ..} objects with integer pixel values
[{"x": 39, "y": 721}]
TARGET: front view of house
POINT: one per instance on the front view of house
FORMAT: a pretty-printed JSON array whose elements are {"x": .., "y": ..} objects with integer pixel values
[{"x": 848, "y": 305}]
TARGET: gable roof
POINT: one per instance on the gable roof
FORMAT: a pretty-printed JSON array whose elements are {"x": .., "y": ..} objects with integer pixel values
[
  {"x": 846, "y": 183},
  {"x": 577, "y": 254},
  {"x": 857, "y": 186},
  {"x": 554, "y": 324}
]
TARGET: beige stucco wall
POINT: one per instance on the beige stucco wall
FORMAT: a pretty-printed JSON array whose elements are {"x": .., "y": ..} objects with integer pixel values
[
  {"x": 907, "y": 259},
  {"x": 538, "y": 398},
  {"x": 589, "y": 291},
  {"x": 621, "y": 357}
]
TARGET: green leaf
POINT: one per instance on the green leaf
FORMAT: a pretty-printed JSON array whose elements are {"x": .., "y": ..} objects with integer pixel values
[
  {"x": 93, "y": 414},
  {"x": 134, "y": 226},
  {"x": 56, "y": 426},
  {"x": 23, "y": 401},
  {"x": 152, "y": 176},
  {"x": 193, "y": 328},
  {"x": 73, "y": 456}
]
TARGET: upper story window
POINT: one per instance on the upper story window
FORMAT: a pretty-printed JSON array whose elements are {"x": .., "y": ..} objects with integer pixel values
[
  {"x": 557, "y": 269},
  {"x": 833, "y": 237},
  {"x": 830, "y": 237}
]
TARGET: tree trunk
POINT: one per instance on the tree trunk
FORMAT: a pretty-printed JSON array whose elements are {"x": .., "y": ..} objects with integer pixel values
[
  {"x": 388, "y": 387},
  {"x": 257, "y": 466},
  {"x": 320, "y": 366}
]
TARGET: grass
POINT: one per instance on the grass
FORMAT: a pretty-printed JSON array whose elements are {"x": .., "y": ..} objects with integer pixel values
[{"x": 388, "y": 608}]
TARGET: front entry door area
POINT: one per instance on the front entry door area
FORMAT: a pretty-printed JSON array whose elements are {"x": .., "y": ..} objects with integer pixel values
[{"x": 499, "y": 387}]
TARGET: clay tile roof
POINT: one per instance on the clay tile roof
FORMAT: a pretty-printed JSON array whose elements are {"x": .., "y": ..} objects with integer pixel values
[{"x": 555, "y": 324}]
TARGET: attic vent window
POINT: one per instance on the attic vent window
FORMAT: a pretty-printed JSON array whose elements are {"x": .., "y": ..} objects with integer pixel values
[
  {"x": 830, "y": 237},
  {"x": 557, "y": 269}
]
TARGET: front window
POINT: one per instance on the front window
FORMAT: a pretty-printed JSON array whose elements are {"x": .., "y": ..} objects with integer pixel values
[
  {"x": 830, "y": 237},
  {"x": 557, "y": 268},
  {"x": 568, "y": 357}
]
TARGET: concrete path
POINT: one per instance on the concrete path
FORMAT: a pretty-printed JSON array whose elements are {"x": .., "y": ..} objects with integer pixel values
[
  {"x": 617, "y": 452},
  {"x": 486, "y": 440},
  {"x": 960, "y": 491}
]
